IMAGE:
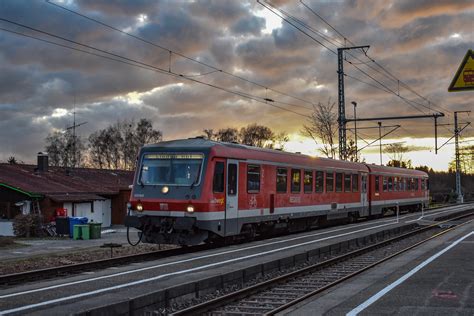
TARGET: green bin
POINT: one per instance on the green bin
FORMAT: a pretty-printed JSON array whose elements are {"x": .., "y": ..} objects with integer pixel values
[
  {"x": 95, "y": 230},
  {"x": 81, "y": 232}
]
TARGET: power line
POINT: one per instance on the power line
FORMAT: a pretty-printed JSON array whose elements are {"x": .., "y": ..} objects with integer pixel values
[
  {"x": 132, "y": 62},
  {"x": 273, "y": 9},
  {"x": 216, "y": 69},
  {"x": 389, "y": 74}
]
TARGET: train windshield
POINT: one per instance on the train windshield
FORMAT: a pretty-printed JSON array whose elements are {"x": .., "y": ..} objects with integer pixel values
[{"x": 171, "y": 169}]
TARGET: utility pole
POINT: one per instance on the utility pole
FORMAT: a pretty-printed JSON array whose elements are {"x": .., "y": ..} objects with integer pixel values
[
  {"x": 460, "y": 198},
  {"x": 73, "y": 127},
  {"x": 380, "y": 141},
  {"x": 341, "y": 105},
  {"x": 355, "y": 128}
]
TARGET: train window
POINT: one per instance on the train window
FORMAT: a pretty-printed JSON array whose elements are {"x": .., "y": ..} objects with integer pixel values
[
  {"x": 338, "y": 182},
  {"x": 385, "y": 185},
  {"x": 282, "y": 179},
  {"x": 308, "y": 181},
  {"x": 423, "y": 185},
  {"x": 427, "y": 184},
  {"x": 355, "y": 182},
  {"x": 232, "y": 179},
  {"x": 319, "y": 181},
  {"x": 395, "y": 184},
  {"x": 377, "y": 184},
  {"x": 253, "y": 178},
  {"x": 295, "y": 180},
  {"x": 347, "y": 183},
  {"x": 329, "y": 181},
  {"x": 416, "y": 184},
  {"x": 390, "y": 184},
  {"x": 218, "y": 181}
]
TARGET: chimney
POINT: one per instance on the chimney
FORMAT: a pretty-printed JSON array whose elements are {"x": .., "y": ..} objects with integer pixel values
[{"x": 42, "y": 162}]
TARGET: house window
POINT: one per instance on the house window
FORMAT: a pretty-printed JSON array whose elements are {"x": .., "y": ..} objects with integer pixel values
[
  {"x": 319, "y": 181},
  {"x": 281, "y": 180},
  {"x": 308, "y": 181},
  {"x": 330, "y": 182},
  {"x": 253, "y": 178},
  {"x": 339, "y": 182},
  {"x": 295, "y": 180},
  {"x": 347, "y": 183},
  {"x": 218, "y": 180}
]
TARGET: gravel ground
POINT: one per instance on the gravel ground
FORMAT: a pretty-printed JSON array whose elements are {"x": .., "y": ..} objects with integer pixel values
[{"x": 49, "y": 260}]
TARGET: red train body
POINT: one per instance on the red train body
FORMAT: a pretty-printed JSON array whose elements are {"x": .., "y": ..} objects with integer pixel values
[{"x": 195, "y": 190}]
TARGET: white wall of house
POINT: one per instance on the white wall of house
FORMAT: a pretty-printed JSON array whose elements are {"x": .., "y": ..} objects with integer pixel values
[
  {"x": 6, "y": 228},
  {"x": 103, "y": 212},
  {"x": 98, "y": 211}
]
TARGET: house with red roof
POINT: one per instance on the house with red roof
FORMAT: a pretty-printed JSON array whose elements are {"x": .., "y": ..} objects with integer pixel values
[{"x": 98, "y": 194}]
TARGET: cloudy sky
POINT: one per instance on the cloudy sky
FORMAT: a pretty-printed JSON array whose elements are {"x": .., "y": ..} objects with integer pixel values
[{"x": 420, "y": 43}]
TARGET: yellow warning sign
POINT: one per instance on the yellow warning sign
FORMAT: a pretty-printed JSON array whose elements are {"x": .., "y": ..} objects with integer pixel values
[{"x": 464, "y": 78}]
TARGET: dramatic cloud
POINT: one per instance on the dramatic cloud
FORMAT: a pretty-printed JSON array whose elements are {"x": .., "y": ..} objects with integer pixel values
[{"x": 419, "y": 42}]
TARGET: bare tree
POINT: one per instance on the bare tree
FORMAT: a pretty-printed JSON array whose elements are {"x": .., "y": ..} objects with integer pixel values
[
  {"x": 396, "y": 153},
  {"x": 209, "y": 134},
  {"x": 117, "y": 146},
  {"x": 65, "y": 149},
  {"x": 322, "y": 127},
  {"x": 228, "y": 135},
  {"x": 351, "y": 151},
  {"x": 280, "y": 140},
  {"x": 466, "y": 158},
  {"x": 257, "y": 135},
  {"x": 12, "y": 160}
]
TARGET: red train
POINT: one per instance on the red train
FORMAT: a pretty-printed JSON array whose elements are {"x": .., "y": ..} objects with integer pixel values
[{"x": 195, "y": 190}]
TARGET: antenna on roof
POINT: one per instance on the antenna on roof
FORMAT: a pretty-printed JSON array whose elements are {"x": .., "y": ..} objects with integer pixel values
[{"x": 73, "y": 127}]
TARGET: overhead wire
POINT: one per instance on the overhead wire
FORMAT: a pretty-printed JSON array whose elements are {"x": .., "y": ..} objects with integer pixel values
[
  {"x": 178, "y": 53},
  {"x": 132, "y": 62},
  {"x": 282, "y": 14},
  {"x": 384, "y": 69}
]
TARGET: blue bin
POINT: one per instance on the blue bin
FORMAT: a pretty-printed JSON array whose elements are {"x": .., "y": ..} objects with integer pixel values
[{"x": 76, "y": 221}]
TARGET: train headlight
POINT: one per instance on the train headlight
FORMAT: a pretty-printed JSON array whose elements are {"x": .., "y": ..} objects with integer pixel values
[
  {"x": 165, "y": 189},
  {"x": 190, "y": 209},
  {"x": 139, "y": 207}
]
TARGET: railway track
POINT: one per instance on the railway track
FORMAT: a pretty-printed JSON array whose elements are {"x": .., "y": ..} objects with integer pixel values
[
  {"x": 77, "y": 268},
  {"x": 280, "y": 293}
]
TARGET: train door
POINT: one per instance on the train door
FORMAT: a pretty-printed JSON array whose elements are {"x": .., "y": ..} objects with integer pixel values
[
  {"x": 363, "y": 193},
  {"x": 232, "y": 198}
]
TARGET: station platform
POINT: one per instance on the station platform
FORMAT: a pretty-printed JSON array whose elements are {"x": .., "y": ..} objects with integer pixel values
[{"x": 436, "y": 278}]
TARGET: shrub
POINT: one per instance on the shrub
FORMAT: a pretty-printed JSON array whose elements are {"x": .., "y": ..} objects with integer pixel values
[{"x": 28, "y": 225}]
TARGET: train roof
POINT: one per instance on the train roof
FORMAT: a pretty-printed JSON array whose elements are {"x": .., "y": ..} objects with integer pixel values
[
  {"x": 239, "y": 151},
  {"x": 397, "y": 171}
]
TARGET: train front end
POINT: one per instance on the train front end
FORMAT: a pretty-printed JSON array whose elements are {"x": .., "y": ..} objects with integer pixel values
[{"x": 168, "y": 200}]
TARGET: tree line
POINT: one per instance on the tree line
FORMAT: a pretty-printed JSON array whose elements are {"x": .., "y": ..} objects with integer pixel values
[
  {"x": 252, "y": 135},
  {"x": 114, "y": 147},
  {"x": 117, "y": 146}
]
